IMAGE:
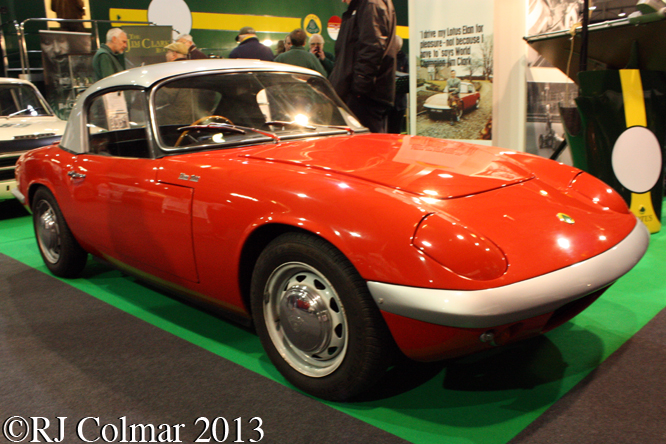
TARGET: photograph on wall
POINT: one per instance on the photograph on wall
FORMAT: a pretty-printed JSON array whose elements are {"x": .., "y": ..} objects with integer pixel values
[
  {"x": 548, "y": 88},
  {"x": 453, "y": 44},
  {"x": 549, "y": 16},
  {"x": 544, "y": 129},
  {"x": 67, "y": 62}
]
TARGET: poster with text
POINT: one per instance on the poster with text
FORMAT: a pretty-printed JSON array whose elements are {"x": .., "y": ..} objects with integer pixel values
[
  {"x": 145, "y": 45},
  {"x": 453, "y": 46}
]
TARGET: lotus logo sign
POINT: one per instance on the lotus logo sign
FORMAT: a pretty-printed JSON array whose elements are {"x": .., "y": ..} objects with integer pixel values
[
  {"x": 566, "y": 218},
  {"x": 312, "y": 24}
]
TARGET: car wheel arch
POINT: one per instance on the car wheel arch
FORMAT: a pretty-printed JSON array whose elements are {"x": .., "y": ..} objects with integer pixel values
[
  {"x": 255, "y": 243},
  {"x": 33, "y": 188}
]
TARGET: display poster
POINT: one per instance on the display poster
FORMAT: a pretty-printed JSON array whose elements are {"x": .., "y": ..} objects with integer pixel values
[
  {"x": 67, "y": 63},
  {"x": 116, "y": 111},
  {"x": 548, "y": 88},
  {"x": 145, "y": 44},
  {"x": 451, "y": 43}
]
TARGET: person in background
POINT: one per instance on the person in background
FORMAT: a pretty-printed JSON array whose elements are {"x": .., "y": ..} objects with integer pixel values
[
  {"x": 280, "y": 48},
  {"x": 326, "y": 59},
  {"x": 298, "y": 55},
  {"x": 250, "y": 47},
  {"x": 192, "y": 51},
  {"x": 69, "y": 9},
  {"x": 176, "y": 51},
  {"x": 365, "y": 58},
  {"x": 108, "y": 59},
  {"x": 287, "y": 43},
  {"x": 396, "y": 116},
  {"x": 454, "y": 100}
]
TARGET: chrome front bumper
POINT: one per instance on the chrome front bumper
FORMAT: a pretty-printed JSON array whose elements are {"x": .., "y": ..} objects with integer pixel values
[{"x": 515, "y": 302}]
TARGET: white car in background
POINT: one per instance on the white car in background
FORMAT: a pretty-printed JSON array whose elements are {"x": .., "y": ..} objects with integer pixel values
[{"x": 26, "y": 122}]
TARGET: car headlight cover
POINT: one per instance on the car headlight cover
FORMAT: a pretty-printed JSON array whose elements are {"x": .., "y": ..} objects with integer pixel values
[
  {"x": 599, "y": 193},
  {"x": 459, "y": 249}
]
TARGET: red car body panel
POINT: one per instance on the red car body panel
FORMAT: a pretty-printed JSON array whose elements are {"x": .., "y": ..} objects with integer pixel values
[{"x": 200, "y": 219}]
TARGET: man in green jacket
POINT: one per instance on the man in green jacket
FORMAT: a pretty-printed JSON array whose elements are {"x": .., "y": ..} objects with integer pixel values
[
  {"x": 107, "y": 60},
  {"x": 298, "y": 55}
]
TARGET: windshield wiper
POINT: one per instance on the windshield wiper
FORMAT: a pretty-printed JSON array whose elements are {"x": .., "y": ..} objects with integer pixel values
[
  {"x": 310, "y": 126},
  {"x": 340, "y": 127},
  {"x": 21, "y": 112},
  {"x": 214, "y": 127},
  {"x": 231, "y": 128},
  {"x": 294, "y": 123}
]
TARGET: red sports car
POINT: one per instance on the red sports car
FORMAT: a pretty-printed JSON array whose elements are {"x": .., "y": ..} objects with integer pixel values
[
  {"x": 439, "y": 106},
  {"x": 250, "y": 186}
]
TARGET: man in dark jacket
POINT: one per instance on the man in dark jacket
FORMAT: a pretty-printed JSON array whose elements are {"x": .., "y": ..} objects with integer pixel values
[
  {"x": 250, "y": 47},
  {"x": 365, "y": 59}
]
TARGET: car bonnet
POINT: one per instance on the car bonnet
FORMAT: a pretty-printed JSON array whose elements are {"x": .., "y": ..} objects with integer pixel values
[{"x": 423, "y": 166}]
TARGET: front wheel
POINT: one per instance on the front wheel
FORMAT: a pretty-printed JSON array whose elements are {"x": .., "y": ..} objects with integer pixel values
[
  {"x": 60, "y": 251},
  {"x": 316, "y": 319}
]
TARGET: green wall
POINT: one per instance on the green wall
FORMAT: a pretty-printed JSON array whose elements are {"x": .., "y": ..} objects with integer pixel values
[{"x": 219, "y": 41}]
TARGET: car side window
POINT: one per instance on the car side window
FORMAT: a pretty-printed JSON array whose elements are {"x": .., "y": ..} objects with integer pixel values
[{"x": 117, "y": 125}]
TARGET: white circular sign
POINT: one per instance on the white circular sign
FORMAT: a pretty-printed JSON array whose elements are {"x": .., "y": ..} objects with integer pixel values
[{"x": 636, "y": 159}]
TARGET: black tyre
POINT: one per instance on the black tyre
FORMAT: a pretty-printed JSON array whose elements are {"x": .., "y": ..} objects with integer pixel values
[
  {"x": 61, "y": 253},
  {"x": 316, "y": 319}
]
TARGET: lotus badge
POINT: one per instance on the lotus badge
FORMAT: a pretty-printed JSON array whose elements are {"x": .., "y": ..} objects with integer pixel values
[{"x": 566, "y": 218}]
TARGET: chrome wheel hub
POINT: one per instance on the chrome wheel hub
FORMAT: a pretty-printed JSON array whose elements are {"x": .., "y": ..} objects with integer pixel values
[
  {"x": 48, "y": 232},
  {"x": 305, "y": 319}
]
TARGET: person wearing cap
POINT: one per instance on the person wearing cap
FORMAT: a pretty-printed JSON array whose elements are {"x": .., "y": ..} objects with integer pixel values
[
  {"x": 326, "y": 59},
  {"x": 108, "y": 58},
  {"x": 250, "y": 47},
  {"x": 192, "y": 51},
  {"x": 298, "y": 55},
  {"x": 176, "y": 51}
]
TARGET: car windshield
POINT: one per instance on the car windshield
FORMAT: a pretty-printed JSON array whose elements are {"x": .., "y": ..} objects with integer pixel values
[
  {"x": 244, "y": 107},
  {"x": 21, "y": 100}
]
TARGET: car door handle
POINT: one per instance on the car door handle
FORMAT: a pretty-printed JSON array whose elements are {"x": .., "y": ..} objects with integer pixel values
[{"x": 75, "y": 175}]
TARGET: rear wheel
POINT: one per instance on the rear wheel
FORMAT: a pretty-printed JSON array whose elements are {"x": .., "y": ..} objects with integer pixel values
[
  {"x": 61, "y": 253},
  {"x": 316, "y": 319}
]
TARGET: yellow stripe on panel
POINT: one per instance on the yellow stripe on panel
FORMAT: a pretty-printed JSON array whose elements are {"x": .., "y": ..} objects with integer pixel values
[
  {"x": 632, "y": 93},
  {"x": 234, "y": 22},
  {"x": 229, "y": 22},
  {"x": 129, "y": 15}
]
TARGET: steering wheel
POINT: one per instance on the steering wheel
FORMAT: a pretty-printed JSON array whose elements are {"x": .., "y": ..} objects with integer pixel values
[{"x": 202, "y": 121}]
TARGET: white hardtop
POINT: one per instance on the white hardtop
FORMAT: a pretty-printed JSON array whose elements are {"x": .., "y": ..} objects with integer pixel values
[
  {"x": 146, "y": 76},
  {"x": 11, "y": 80}
]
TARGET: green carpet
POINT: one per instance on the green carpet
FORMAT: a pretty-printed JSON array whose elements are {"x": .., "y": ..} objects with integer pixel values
[{"x": 485, "y": 399}]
